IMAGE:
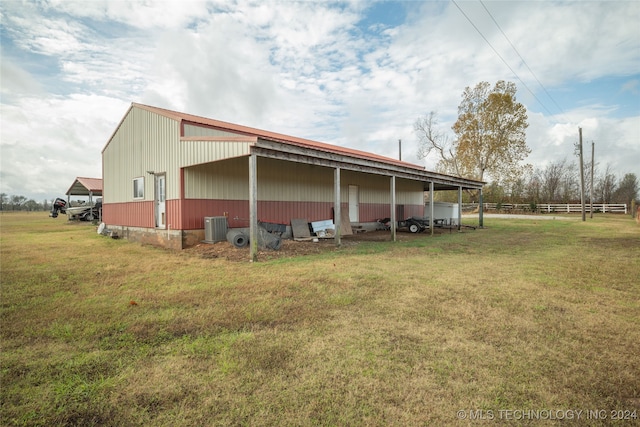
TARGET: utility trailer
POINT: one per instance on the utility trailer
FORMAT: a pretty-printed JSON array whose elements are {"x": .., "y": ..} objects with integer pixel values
[
  {"x": 412, "y": 224},
  {"x": 418, "y": 225}
]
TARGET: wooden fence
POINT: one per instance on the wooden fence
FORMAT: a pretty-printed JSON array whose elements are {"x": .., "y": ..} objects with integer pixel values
[{"x": 547, "y": 207}]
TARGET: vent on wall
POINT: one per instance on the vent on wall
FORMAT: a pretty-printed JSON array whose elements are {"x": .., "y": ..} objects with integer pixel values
[{"x": 215, "y": 229}]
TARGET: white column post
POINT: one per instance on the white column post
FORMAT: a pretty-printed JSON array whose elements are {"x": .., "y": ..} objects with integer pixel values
[
  {"x": 337, "y": 208},
  {"x": 459, "y": 208},
  {"x": 480, "y": 212},
  {"x": 431, "y": 223},
  {"x": 394, "y": 223},
  {"x": 253, "y": 208}
]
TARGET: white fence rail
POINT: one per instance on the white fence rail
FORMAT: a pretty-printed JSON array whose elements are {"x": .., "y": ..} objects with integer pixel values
[{"x": 548, "y": 207}]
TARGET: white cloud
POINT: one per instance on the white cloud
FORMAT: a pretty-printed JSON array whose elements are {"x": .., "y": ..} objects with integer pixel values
[
  {"x": 16, "y": 81},
  {"x": 47, "y": 143}
]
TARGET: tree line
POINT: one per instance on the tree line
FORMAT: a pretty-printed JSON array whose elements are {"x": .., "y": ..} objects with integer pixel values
[
  {"x": 559, "y": 182},
  {"x": 21, "y": 203}
]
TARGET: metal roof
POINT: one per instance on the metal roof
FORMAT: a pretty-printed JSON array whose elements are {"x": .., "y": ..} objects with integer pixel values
[
  {"x": 85, "y": 187},
  {"x": 321, "y": 149},
  {"x": 274, "y": 136}
]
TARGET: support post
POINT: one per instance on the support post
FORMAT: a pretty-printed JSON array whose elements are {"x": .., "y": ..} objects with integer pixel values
[
  {"x": 431, "y": 221},
  {"x": 337, "y": 208},
  {"x": 481, "y": 211},
  {"x": 593, "y": 149},
  {"x": 459, "y": 208},
  {"x": 394, "y": 222},
  {"x": 582, "y": 203},
  {"x": 253, "y": 208}
]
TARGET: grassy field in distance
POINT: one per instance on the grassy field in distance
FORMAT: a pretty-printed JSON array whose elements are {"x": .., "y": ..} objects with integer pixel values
[{"x": 522, "y": 319}]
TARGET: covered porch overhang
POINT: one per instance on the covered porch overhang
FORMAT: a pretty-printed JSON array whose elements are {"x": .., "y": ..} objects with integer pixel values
[{"x": 338, "y": 162}]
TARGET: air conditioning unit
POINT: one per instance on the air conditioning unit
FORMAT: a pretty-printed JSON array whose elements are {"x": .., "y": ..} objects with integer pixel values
[{"x": 215, "y": 229}]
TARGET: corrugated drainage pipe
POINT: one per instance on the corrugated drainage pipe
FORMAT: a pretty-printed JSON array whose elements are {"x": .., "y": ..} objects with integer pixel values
[
  {"x": 268, "y": 240},
  {"x": 237, "y": 238}
]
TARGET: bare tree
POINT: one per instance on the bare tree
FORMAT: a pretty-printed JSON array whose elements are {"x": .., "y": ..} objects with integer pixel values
[
  {"x": 627, "y": 190},
  {"x": 570, "y": 188},
  {"x": 533, "y": 188},
  {"x": 606, "y": 186},
  {"x": 432, "y": 139},
  {"x": 17, "y": 201},
  {"x": 552, "y": 177}
]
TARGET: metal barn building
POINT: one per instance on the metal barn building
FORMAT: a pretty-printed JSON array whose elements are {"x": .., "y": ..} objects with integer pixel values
[{"x": 165, "y": 171}]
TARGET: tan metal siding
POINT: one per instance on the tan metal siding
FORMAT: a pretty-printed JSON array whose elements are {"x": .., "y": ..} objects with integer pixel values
[
  {"x": 144, "y": 142},
  {"x": 280, "y": 180},
  {"x": 409, "y": 192},
  {"x": 198, "y": 152},
  {"x": 228, "y": 179},
  {"x": 371, "y": 188},
  {"x": 377, "y": 189},
  {"x": 277, "y": 181},
  {"x": 193, "y": 130}
]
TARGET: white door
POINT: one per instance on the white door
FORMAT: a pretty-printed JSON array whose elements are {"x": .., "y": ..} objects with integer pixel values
[
  {"x": 160, "y": 202},
  {"x": 354, "y": 206}
]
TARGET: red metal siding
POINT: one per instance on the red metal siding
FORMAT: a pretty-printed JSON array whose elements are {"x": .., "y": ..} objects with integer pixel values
[
  {"x": 237, "y": 211},
  {"x": 174, "y": 214},
  {"x": 413, "y": 210},
  {"x": 193, "y": 212},
  {"x": 132, "y": 214},
  {"x": 283, "y": 212}
]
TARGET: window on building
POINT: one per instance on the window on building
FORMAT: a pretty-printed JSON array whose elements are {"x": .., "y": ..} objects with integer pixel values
[{"x": 138, "y": 188}]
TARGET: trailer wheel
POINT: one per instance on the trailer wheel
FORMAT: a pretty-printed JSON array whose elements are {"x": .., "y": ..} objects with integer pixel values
[{"x": 414, "y": 228}]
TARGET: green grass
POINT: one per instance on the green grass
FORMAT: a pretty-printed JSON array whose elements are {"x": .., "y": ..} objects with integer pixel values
[{"x": 522, "y": 315}]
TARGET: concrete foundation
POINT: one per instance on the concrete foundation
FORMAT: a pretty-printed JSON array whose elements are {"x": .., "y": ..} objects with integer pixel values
[
  {"x": 180, "y": 239},
  {"x": 171, "y": 239}
]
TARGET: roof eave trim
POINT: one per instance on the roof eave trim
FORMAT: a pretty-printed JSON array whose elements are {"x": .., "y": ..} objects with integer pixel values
[{"x": 220, "y": 138}]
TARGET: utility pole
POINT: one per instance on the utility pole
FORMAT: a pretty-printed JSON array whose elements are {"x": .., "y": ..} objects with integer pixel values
[
  {"x": 591, "y": 195},
  {"x": 400, "y": 149},
  {"x": 584, "y": 214}
]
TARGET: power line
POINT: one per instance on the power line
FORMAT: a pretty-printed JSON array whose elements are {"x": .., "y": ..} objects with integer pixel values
[
  {"x": 502, "y": 59},
  {"x": 521, "y": 58}
]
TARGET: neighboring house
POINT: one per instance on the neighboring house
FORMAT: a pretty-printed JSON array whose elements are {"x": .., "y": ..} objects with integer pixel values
[{"x": 165, "y": 171}]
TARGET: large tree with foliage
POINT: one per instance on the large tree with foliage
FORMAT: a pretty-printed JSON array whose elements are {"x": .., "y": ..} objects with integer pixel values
[
  {"x": 490, "y": 135},
  {"x": 490, "y": 132}
]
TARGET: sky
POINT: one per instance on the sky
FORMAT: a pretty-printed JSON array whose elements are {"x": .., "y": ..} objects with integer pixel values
[{"x": 356, "y": 74}]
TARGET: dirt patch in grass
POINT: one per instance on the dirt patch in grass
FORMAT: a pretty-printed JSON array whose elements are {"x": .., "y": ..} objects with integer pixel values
[{"x": 295, "y": 248}]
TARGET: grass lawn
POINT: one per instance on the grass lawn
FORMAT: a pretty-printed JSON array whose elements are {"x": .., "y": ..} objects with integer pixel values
[{"x": 521, "y": 321}]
